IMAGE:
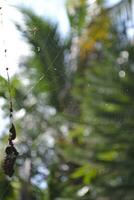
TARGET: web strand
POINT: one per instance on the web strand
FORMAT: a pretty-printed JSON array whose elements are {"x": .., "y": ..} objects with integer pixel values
[{"x": 10, "y": 151}]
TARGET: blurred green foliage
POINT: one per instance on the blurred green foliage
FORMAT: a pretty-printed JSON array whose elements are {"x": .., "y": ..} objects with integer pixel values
[{"x": 74, "y": 110}]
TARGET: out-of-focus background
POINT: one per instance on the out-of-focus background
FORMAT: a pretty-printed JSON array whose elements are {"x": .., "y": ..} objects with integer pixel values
[{"x": 71, "y": 64}]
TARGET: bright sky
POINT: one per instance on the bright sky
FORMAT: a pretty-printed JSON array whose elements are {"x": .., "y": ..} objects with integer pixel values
[
  {"x": 16, "y": 47},
  {"x": 112, "y": 2}
]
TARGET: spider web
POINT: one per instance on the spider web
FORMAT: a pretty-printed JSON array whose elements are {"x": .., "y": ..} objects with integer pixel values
[{"x": 2, "y": 195}]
